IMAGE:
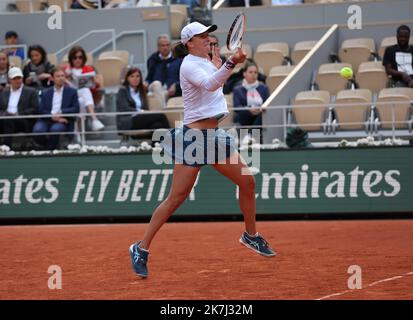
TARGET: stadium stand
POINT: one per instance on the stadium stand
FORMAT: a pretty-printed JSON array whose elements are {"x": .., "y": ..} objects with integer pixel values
[{"x": 261, "y": 33}]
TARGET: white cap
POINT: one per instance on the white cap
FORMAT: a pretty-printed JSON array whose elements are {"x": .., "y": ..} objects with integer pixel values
[
  {"x": 193, "y": 29},
  {"x": 15, "y": 72}
]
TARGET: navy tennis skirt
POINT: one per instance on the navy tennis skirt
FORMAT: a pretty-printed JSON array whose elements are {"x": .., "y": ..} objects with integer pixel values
[{"x": 198, "y": 147}]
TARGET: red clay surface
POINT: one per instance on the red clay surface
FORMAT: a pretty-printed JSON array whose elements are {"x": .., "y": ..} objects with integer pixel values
[{"x": 205, "y": 261}]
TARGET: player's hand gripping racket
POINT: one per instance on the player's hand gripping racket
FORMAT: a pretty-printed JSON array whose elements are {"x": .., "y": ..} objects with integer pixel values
[{"x": 235, "y": 33}]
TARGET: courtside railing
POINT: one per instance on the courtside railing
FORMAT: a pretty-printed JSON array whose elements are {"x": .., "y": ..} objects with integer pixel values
[{"x": 327, "y": 130}]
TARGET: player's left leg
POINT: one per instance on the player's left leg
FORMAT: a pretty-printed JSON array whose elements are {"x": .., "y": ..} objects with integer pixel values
[{"x": 237, "y": 171}]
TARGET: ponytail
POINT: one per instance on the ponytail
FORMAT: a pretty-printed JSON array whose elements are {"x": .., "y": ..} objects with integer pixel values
[{"x": 179, "y": 50}]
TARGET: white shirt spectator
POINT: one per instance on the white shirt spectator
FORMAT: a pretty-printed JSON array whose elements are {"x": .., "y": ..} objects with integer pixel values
[
  {"x": 136, "y": 97},
  {"x": 14, "y": 100},
  {"x": 278, "y": 2},
  {"x": 57, "y": 101},
  {"x": 201, "y": 84}
]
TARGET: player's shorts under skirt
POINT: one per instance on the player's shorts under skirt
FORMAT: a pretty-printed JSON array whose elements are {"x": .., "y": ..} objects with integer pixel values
[{"x": 198, "y": 147}]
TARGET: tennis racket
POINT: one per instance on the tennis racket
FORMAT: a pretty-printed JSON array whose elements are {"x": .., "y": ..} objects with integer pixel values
[{"x": 235, "y": 33}]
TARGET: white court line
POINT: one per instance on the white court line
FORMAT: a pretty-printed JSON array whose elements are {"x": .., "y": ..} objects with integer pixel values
[{"x": 370, "y": 285}]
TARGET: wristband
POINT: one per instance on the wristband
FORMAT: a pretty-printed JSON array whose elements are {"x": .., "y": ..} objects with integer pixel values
[{"x": 229, "y": 64}]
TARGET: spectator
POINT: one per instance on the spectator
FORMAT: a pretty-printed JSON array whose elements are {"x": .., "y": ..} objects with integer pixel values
[
  {"x": 56, "y": 101},
  {"x": 4, "y": 69},
  {"x": 86, "y": 4},
  {"x": 157, "y": 66},
  {"x": 286, "y": 2},
  {"x": 191, "y": 4},
  {"x": 236, "y": 78},
  {"x": 244, "y": 3},
  {"x": 172, "y": 82},
  {"x": 37, "y": 73},
  {"x": 398, "y": 59},
  {"x": 83, "y": 78},
  {"x": 149, "y": 3},
  {"x": 17, "y": 99},
  {"x": 251, "y": 93},
  {"x": 11, "y": 38},
  {"x": 132, "y": 98},
  {"x": 214, "y": 43}
]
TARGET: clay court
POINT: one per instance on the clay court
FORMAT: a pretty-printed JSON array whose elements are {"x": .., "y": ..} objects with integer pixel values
[{"x": 205, "y": 261}]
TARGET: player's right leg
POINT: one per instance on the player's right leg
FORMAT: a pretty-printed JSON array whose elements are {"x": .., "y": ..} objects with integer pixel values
[{"x": 183, "y": 180}]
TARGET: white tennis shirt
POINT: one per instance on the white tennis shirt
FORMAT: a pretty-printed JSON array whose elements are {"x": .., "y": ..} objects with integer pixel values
[{"x": 201, "y": 84}]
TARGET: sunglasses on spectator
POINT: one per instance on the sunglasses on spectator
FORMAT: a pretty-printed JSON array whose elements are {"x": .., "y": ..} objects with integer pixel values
[{"x": 78, "y": 57}]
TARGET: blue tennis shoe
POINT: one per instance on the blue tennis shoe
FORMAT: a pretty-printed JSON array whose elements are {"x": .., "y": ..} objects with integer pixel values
[
  {"x": 257, "y": 243},
  {"x": 139, "y": 259}
]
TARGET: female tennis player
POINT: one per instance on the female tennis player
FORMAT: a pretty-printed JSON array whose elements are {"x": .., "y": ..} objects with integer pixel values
[{"x": 202, "y": 79}]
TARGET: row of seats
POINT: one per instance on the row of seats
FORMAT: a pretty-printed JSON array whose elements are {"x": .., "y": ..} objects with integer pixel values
[
  {"x": 272, "y": 54},
  {"x": 311, "y": 108},
  {"x": 352, "y": 51},
  {"x": 175, "y": 109},
  {"x": 358, "y": 50},
  {"x": 353, "y": 117},
  {"x": 110, "y": 64},
  {"x": 24, "y": 5},
  {"x": 370, "y": 75}
]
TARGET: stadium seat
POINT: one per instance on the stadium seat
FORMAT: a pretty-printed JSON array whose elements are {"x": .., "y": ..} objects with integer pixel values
[
  {"x": 372, "y": 75},
  {"x": 154, "y": 102},
  {"x": 111, "y": 70},
  {"x": 271, "y": 54},
  {"x": 311, "y": 118},
  {"x": 179, "y": 18},
  {"x": 60, "y": 3},
  {"x": 400, "y": 111},
  {"x": 389, "y": 41},
  {"x": 277, "y": 75},
  {"x": 226, "y": 53},
  {"x": 356, "y": 51},
  {"x": 52, "y": 58},
  {"x": 121, "y": 54},
  {"x": 24, "y": 5},
  {"x": 329, "y": 78},
  {"x": 178, "y": 21},
  {"x": 229, "y": 120},
  {"x": 352, "y": 117},
  {"x": 174, "y": 104},
  {"x": 16, "y": 61},
  {"x": 324, "y": 1},
  {"x": 301, "y": 49}
]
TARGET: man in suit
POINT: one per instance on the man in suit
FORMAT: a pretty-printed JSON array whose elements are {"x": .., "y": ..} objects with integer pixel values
[
  {"x": 16, "y": 100},
  {"x": 56, "y": 101}
]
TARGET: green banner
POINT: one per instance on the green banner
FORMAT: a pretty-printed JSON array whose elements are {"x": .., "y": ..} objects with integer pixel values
[{"x": 358, "y": 180}]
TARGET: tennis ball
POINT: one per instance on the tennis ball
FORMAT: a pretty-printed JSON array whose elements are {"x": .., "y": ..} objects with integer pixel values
[{"x": 346, "y": 73}]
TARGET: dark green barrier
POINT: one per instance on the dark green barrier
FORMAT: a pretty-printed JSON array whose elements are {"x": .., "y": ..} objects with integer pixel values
[{"x": 307, "y": 181}]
